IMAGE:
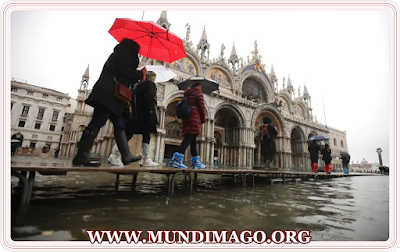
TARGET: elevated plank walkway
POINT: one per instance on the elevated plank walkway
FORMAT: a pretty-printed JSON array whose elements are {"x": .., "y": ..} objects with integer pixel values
[{"x": 26, "y": 173}]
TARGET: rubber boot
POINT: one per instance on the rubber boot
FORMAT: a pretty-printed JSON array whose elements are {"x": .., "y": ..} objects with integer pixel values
[
  {"x": 84, "y": 146},
  {"x": 146, "y": 161},
  {"x": 196, "y": 164},
  {"x": 176, "y": 161},
  {"x": 123, "y": 147},
  {"x": 315, "y": 167},
  {"x": 312, "y": 167}
]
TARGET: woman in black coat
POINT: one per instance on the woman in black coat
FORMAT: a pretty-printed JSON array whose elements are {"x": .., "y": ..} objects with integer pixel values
[
  {"x": 326, "y": 154},
  {"x": 314, "y": 148},
  {"x": 121, "y": 66},
  {"x": 327, "y": 157},
  {"x": 146, "y": 121}
]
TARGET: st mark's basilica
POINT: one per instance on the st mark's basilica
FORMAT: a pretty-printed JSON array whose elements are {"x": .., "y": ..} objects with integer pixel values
[{"x": 229, "y": 138}]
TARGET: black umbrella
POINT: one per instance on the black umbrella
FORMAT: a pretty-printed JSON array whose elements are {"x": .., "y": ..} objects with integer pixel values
[
  {"x": 344, "y": 154},
  {"x": 318, "y": 138},
  {"x": 207, "y": 85}
]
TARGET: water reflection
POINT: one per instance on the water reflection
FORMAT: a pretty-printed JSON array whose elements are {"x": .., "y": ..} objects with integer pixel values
[{"x": 338, "y": 209}]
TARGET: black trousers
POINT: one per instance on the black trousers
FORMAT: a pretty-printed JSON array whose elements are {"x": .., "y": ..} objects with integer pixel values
[{"x": 189, "y": 140}]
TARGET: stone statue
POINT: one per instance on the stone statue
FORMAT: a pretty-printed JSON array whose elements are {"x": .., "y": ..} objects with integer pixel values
[
  {"x": 255, "y": 48},
  {"x": 283, "y": 83},
  {"x": 187, "y": 32},
  {"x": 222, "y": 50}
]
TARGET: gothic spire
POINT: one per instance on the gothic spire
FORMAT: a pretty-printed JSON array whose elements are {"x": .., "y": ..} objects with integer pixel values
[
  {"x": 289, "y": 85},
  {"x": 234, "y": 59},
  {"x": 203, "y": 45},
  {"x": 305, "y": 92},
  {"x": 272, "y": 73},
  {"x": 163, "y": 20},
  {"x": 86, "y": 74},
  {"x": 233, "y": 53}
]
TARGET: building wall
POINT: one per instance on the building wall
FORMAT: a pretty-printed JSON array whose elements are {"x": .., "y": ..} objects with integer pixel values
[{"x": 35, "y": 98}]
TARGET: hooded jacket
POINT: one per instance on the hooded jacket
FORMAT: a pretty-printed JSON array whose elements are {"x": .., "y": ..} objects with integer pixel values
[
  {"x": 192, "y": 124},
  {"x": 122, "y": 64},
  {"x": 268, "y": 142}
]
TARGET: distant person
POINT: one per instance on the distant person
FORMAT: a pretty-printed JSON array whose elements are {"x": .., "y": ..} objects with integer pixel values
[
  {"x": 191, "y": 128},
  {"x": 120, "y": 66},
  {"x": 56, "y": 152},
  {"x": 345, "y": 162},
  {"x": 14, "y": 147},
  {"x": 314, "y": 148},
  {"x": 327, "y": 157},
  {"x": 268, "y": 147}
]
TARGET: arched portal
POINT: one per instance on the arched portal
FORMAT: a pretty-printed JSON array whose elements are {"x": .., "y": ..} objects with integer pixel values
[
  {"x": 297, "y": 140},
  {"x": 173, "y": 136},
  {"x": 258, "y": 158},
  {"x": 227, "y": 129}
]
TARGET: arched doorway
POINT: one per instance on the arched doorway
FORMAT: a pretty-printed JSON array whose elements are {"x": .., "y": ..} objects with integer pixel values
[
  {"x": 173, "y": 137},
  {"x": 258, "y": 158},
  {"x": 297, "y": 141},
  {"x": 17, "y": 139},
  {"x": 227, "y": 128}
]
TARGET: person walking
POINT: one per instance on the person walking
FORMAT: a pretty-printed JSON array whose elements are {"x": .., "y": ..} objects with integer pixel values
[
  {"x": 191, "y": 127},
  {"x": 314, "y": 150},
  {"x": 327, "y": 157},
  {"x": 120, "y": 66},
  {"x": 146, "y": 121},
  {"x": 268, "y": 147},
  {"x": 345, "y": 161}
]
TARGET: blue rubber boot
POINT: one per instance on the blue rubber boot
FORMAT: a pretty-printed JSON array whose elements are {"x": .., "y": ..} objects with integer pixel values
[
  {"x": 196, "y": 163},
  {"x": 176, "y": 161}
]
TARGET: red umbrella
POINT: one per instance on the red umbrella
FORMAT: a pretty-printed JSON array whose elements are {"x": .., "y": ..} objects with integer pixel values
[{"x": 155, "y": 41}]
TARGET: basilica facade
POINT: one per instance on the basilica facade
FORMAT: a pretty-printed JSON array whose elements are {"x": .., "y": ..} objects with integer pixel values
[{"x": 229, "y": 137}]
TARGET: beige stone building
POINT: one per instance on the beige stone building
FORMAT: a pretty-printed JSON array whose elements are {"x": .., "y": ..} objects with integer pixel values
[
  {"x": 37, "y": 115},
  {"x": 229, "y": 136}
]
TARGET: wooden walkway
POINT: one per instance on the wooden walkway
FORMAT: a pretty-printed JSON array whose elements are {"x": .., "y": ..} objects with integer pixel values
[{"x": 26, "y": 174}]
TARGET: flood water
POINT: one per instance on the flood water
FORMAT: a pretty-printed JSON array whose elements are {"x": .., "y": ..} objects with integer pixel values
[{"x": 338, "y": 209}]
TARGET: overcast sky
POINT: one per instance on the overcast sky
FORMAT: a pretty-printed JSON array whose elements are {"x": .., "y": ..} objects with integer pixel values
[{"x": 341, "y": 56}]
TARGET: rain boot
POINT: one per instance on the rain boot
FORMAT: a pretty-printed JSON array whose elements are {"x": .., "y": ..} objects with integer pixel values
[
  {"x": 146, "y": 161},
  {"x": 84, "y": 146},
  {"x": 312, "y": 166},
  {"x": 196, "y": 164},
  {"x": 123, "y": 147},
  {"x": 315, "y": 167},
  {"x": 267, "y": 163},
  {"x": 176, "y": 161},
  {"x": 326, "y": 169}
]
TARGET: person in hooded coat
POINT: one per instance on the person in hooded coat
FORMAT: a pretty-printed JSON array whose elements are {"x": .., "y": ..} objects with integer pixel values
[
  {"x": 121, "y": 66},
  {"x": 191, "y": 128},
  {"x": 268, "y": 147},
  {"x": 314, "y": 148}
]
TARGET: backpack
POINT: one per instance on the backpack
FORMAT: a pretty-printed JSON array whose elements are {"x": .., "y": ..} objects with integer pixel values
[
  {"x": 183, "y": 109},
  {"x": 264, "y": 131}
]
